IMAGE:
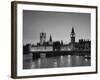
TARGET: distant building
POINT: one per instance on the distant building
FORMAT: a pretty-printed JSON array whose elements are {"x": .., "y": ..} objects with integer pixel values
[
  {"x": 72, "y": 36},
  {"x": 26, "y": 48},
  {"x": 50, "y": 40},
  {"x": 42, "y": 38},
  {"x": 80, "y": 45},
  {"x": 84, "y": 44},
  {"x": 50, "y": 45}
]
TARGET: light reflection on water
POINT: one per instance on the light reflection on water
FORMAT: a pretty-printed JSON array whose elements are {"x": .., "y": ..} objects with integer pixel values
[{"x": 52, "y": 62}]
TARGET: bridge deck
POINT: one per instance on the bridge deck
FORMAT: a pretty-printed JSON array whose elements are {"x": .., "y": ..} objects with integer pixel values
[
  {"x": 37, "y": 54},
  {"x": 61, "y": 52}
]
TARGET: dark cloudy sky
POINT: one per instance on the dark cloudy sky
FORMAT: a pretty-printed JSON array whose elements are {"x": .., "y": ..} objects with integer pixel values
[{"x": 58, "y": 24}]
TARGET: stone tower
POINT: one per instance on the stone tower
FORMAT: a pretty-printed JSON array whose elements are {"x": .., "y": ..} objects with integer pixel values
[
  {"x": 42, "y": 38},
  {"x": 72, "y": 36},
  {"x": 50, "y": 40}
]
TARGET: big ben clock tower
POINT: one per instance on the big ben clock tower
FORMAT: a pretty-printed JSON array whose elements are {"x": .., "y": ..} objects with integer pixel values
[{"x": 72, "y": 36}]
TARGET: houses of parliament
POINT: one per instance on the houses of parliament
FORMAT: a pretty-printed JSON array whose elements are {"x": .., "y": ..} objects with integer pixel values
[{"x": 50, "y": 45}]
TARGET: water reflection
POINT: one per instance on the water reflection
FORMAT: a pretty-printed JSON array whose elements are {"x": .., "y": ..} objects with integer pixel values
[
  {"x": 69, "y": 60},
  {"x": 52, "y": 62},
  {"x": 55, "y": 63},
  {"x": 61, "y": 60}
]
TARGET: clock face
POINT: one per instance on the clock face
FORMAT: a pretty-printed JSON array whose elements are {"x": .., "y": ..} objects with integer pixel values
[{"x": 72, "y": 35}]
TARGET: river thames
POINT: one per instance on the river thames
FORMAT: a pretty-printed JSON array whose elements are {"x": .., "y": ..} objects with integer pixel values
[{"x": 54, "y": 62}]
